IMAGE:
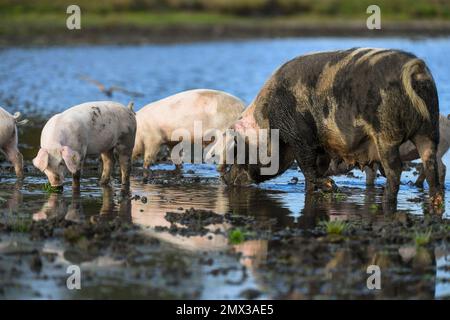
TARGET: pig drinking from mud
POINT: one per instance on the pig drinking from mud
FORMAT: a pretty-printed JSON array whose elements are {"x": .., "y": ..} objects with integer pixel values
[
  {"x": 408, "y": 152},
  {"x": 352, "y": 104},
  {"x": 9, "y": 139},
  {"x": 89, "y": 129},
  {"x": 158, "y": 121}
]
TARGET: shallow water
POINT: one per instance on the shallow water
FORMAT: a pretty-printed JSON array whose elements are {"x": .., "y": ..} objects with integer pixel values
[
  {"x": 42, "y": 81},
  {"x": 227, "y": 275}
]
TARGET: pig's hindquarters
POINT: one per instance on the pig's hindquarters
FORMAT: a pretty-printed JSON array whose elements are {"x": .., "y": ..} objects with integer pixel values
[
  {"x": 8, "y": 142},
  {"x": 112, "y": 131},
  {"x": 9, "y": 148}
]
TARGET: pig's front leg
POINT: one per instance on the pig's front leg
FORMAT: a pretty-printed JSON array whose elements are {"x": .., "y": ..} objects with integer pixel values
[
  {"x": 108, "y": 167},
  {"x": 371, "y": 175},
  {"x": 420, "y": 180},
  {"x": 149, "y": 158},
  {"x": 392, "y": 166},
  {"x": 76, "y": 177}
]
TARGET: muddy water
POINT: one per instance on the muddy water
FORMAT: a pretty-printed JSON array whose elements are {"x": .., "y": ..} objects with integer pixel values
[
  {"x": 259, "y": 242},
  {"x": 285, "y": 253}
]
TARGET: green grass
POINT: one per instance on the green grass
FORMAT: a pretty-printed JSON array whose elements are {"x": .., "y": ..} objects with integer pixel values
[
  {"x": 16, "y": 222},
  {"x": 34, "y": 21},
  {"x": 50, "y": 189},
  {"x": 236, "y": 236},
  {"x": 20, "y": 226},
  {"x": 339, "y": 196},
  {"x": 45, "y": 21},
  {"x": 95, "y": 20},
  {"x": 345, "y": 8},
  {"x": 422, "y": 238},
  {"x": 335, "y": 227}
]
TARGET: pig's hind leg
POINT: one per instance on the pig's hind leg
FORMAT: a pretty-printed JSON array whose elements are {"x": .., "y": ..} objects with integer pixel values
[
  {"x": 427, "y": 147},
  {"x": 14, "y": 156},
  {"x": 108, "y": 167},
  {"x": 125, "y": 165},
  {"x": 441, "y": 169}
]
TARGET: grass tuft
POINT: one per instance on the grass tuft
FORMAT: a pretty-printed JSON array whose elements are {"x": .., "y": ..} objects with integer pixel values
[
  {"x": 236, "y": 236},
  {"x": 422, "y": 238},
  {"x": 50, "y": 189},
  {"x": 335, "y": 227}
]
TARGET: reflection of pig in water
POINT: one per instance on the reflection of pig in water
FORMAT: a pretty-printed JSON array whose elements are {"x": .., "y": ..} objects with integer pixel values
[
  {"x": 221, "y": 200},
  {"x": 352, "y": 104},
  {"x": 408, "y": 152},
  {"x": 157, "y": 121},
  {"x": 56, "y": 205},
  {"x": 152, "y": 214}
]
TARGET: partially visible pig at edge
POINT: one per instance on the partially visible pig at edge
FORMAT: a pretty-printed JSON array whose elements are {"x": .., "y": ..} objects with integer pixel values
[
  {"x": 9, "y": 139},
  {"x": 157, "y": 121},
  {"x": 89, "y": 129}
]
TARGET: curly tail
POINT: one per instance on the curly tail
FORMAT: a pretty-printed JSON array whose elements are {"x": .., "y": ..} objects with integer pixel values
[
  {"x": 17, "y": 116},
  {"x": 415, "y": 67},
  {"x": 130, "y": 106}
]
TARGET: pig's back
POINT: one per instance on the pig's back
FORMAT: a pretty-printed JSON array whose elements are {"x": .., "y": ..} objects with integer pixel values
[
  {"x": 215, "y": 109},
  {"x": 98, "y": 124}
]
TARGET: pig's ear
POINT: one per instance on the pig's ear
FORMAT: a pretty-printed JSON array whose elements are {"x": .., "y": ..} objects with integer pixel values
[
  {"x": 71, "y": 158},
  {"x": 41, "y": 160}
]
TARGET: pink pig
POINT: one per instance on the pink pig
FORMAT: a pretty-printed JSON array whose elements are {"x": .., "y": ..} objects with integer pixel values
[
  {"x": 157, "y": 121},
  {"x": 89, "y": 129},
  {"x": 8, "y": 139}
]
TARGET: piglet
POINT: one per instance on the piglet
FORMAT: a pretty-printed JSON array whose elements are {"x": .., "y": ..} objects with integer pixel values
[
  {"x": 89, "y": 129},
  {"x": 8, "y": 139},
  {"x": 158, "y": 121}
]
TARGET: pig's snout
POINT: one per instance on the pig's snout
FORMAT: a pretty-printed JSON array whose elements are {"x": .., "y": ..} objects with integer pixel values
[
  {"x": 235, "y": 175},
  {"x": 56, "y": 180}
]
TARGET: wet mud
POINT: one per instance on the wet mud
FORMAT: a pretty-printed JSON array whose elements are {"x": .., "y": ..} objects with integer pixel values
[{"x": 186, "y": 235}]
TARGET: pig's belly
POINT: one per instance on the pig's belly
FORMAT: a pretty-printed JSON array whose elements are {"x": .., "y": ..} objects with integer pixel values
[
  {"x": 352, "y": 144},
  {"x": 6, "y": 133},
  {"x": 408, "y": 151},
  {"x": 100, "y": 144}
]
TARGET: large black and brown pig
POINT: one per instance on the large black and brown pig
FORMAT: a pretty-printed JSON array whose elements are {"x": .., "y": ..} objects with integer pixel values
[{"x": 359, "y": 105}]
